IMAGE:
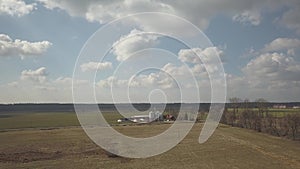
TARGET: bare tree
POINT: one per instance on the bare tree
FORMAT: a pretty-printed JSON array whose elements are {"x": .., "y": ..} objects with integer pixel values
[
  {"x": 293, "y": 122},
  {"x": 244, "y": 115},
  {"x": 261, "y": 120},
  {"x": 262, "y": 106},
  {"x": 246, "y": 104},
  {"x": 235, "y": 102}
]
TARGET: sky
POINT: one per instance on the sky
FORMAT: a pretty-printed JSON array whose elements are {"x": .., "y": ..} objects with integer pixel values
[{"x": 184, "y": 52}]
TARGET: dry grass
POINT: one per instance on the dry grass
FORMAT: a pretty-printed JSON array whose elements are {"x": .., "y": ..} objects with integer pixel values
[{"x": 71, "y": 148}]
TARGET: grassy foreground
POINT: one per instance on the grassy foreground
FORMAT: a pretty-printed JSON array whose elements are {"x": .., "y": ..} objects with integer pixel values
[
  {"x": 10, "y": 121},
  {"x": 70, "y": 148}
]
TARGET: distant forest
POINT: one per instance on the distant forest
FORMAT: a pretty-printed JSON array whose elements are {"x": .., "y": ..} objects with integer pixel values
[{"x": 55, "y": 107}]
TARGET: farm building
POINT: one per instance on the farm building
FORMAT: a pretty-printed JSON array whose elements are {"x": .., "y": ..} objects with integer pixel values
[
  {"x": 279, "y": 106},
  {"x": 140, "y": 119},
  {"x": 152, "y": 116}
]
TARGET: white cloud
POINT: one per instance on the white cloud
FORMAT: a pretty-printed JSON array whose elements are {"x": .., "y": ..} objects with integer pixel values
[
  {"x": 273, "y": 73},
  {"x": 174, "y": 70},
  {"x": 162, "y": 79},
  {"x": 187, "y": 76},
  {"x": 93, "y": 66},
  {"x": 67, "y": 81},
  {"x": 273, "y": 76},
  {"x": 104, "y": 11},
  {"x": 208, "y": 58},
  {"x": 157, "y": 80},
  {"x": 199, "y": 55},
  {"x": 16, "y": 7},
  {"x": 272, "y": 67},
  {"x": 136, "y": 40},
  {"x": 112, "y": 82},
  {"x": 36, "y": 86},
  {"x": 17, "y": 47},
  {"x": 123, "y": 8},
  {"x": 39, "y": 75},
  {"x": 198, "y": 12},
  {"x": 252, "y": 17},
  {"x": 280, "y": 44},
  {"x": 190, "y": 55}
]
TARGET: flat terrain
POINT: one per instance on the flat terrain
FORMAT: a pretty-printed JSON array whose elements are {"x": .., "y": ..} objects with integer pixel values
[
  {"x": 276, "y": 112},
  {"x": 69, "y": 147},
  {"x": 10, "y": 121}
]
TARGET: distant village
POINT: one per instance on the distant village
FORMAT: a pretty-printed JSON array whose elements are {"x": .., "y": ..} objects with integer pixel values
[{"x": 282, "y": 106}]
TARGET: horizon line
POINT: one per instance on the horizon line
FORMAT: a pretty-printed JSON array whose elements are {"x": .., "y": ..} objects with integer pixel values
[{"x": 19, "y": 103}]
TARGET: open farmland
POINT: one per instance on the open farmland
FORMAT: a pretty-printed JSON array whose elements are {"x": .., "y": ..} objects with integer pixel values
[
  {"x": 276, "y": 112},
  {"x": 43, "y": 146},
  {"x": 10, "y": 121}
]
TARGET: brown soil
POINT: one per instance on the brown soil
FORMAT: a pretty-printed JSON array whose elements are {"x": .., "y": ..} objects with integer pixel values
[{"x": 29, "y": 156}]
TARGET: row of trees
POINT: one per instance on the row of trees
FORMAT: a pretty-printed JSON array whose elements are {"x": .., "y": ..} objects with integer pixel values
[{"x": 240, "y": 114}]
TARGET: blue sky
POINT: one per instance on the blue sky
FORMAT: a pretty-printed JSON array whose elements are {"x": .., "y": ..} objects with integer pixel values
[{"x": 258, "y": 43}]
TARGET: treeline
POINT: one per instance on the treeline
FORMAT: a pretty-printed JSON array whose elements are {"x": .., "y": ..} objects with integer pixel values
[
  {"x": 56, "y": 107},
  {"x": 260, "y": 119}
]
